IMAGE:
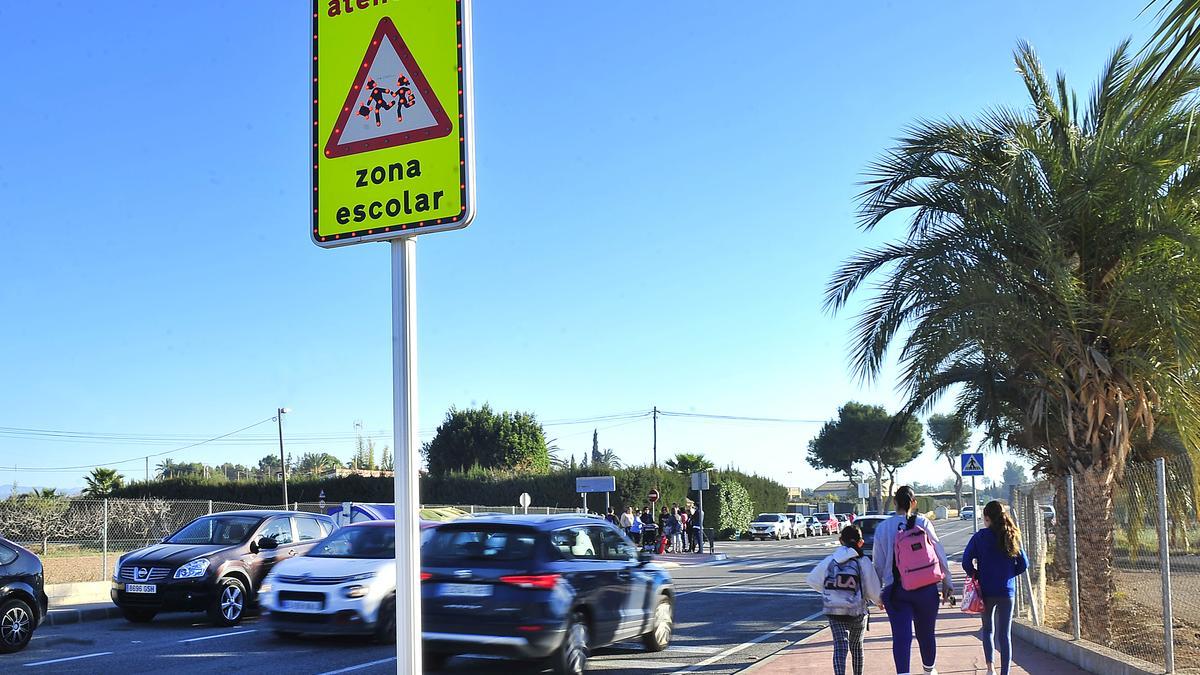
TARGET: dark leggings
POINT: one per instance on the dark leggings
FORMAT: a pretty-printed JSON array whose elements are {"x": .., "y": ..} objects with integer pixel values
[
  {"x": 906, "y": 609},
  {"x": 997, "y": 621}
]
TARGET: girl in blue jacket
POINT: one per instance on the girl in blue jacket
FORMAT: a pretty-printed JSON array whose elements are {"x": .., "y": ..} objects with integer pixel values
[{"x": 994, "y": 558}]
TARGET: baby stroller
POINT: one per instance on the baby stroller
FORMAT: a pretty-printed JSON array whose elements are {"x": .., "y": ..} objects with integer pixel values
[{"x": 649, "y": 537}]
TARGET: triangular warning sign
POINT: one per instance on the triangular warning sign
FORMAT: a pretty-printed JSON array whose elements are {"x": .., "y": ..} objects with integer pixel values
[
  {"x": 390, "y": 102},
  {"x": 972, "y": 465}
]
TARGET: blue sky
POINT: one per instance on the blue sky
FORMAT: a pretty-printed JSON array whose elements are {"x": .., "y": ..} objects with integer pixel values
[{"x": 662, "y": 197}]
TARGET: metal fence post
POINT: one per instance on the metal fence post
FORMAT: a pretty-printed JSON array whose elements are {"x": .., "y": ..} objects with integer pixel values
[
  {"x": 104, "y": 542},
  {"x": 210, "y": 507},
  {"x": 1164, "y": 560},
  {"x": 1074, "y": 556}
]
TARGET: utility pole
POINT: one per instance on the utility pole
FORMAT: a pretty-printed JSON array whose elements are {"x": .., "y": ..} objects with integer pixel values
[
  {"x": 282, "y": 460},
  {"x": 147, "y": 470},
  {"x": 656, "y": 438}
]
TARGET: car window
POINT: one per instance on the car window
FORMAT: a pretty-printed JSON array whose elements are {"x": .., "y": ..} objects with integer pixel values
[
  {"x": 308, "y": 529},
  {"x": 867, "y": 526},
  {"x": 485, "y": 542},
  {"x": 279, "y": 529},
  {"x": 217, "y": 529},
  {"x": 575, "y": 543},
  {"x": 7, "y": 555},
  {"x": 326, "y": 527},
  {"x": 614, "y": 545}
]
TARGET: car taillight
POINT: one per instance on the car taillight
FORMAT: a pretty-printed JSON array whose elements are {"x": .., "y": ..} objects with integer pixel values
[
  {"x": 539, "y": 581},
  {"x": 426, "y": 576}
]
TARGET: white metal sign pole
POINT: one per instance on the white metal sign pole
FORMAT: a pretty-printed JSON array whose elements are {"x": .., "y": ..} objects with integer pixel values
[
  {"x": 974, "y": 506},
  {"x": 404, "y": 414}
]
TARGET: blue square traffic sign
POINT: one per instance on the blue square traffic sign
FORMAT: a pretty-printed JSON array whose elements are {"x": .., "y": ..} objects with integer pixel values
[{"x": 972, "y": 464}]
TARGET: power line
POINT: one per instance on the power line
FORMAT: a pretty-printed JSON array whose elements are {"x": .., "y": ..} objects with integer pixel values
[
  {"x": 141, "y": 457},
  {"x": 742, "y": 418}
]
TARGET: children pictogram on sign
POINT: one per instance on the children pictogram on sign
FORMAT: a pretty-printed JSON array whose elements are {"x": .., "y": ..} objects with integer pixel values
[{"x": 362, "y": 124}]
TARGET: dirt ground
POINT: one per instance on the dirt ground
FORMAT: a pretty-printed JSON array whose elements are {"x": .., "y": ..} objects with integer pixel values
[{"x": 1138, "y": 622}]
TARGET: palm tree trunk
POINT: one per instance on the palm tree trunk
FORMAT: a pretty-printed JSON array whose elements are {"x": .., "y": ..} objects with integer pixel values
[
  {"x": 1060, "y": 567},
  {"x": 1095, "y": 540}
]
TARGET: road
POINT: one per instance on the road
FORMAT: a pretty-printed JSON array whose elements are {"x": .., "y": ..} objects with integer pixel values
[{"x": 728, "y": 616}]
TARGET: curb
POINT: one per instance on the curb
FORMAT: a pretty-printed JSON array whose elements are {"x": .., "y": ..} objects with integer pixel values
[
  {"x": 1086, "y": 655},
  {"x": 62, "y": 617}
]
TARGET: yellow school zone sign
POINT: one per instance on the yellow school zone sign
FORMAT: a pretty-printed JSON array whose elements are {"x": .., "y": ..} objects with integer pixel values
[{"x": 391, "y": 136}]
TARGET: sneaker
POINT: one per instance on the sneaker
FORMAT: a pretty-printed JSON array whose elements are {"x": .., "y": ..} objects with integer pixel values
[{"x": 930, "y": 670}]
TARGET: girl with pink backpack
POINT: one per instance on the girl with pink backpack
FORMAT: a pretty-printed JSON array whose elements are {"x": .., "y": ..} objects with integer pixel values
[{"x": 912, "y": 566}]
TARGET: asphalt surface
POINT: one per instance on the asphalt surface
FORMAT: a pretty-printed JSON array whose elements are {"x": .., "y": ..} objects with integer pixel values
[{"x": 728, "y": 616}]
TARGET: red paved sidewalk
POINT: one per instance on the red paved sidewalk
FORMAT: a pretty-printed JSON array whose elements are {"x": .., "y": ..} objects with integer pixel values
[{"x": 960, "y": 652}]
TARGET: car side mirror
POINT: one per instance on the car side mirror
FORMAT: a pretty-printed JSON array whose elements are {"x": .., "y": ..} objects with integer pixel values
[
  {"x": 644, "y": 557},
  {"x": 267, "y": 543}
]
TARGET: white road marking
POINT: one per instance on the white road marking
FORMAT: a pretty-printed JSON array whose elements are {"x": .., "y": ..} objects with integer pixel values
[
  {"x": 745, "y": 645},
  {"x": 360, "y": 666},
  {"x": 742, "y": 581},
  {"x": 220, "y": 635},
  {"x": 69, "y": 658},
  {"x": 639, "y": 664},
  {"x": 693, "y": 649}
]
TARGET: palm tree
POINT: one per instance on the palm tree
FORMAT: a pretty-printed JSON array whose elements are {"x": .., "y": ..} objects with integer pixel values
[
  {"x": 607, "y": 457},
  {"x": 44, "y": 493},
  {"x": 166, "y": 468},
  {"x": 950, "y": 436},
  {"x": 103, "y": 482},
  {"x": 1176, "y": 43},
  {"x": 688, "y": 463},
  {"x": 1050, "y": 275}
]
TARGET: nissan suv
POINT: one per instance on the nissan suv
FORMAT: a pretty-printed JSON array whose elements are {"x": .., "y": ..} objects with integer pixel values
[
  {"x": 213, "y": 564},
  {"x": 22, "y": 596}
]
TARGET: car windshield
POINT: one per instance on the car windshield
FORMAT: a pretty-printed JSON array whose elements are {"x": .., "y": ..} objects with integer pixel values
[
  {"x": 481, "y": 543},
  {"x": 358, "y": 542},
  {"x": 225, "y": 530},
  {"x": 867, "y": 527},
  {"x": 766, "y": 518}
]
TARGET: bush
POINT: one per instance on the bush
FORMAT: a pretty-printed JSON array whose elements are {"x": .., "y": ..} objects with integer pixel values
[
  {"x": 736, "y": 509},
  {"x": 492, "y": 487}
]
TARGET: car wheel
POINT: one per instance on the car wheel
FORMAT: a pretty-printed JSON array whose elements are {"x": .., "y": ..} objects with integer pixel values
[
  {"x": 777, "y": 537},
  {"x": 571, "y": 657},
  {"x": 662, "y": 627},
  {"x": 16, "y": 626},
  {"x": 229, "y": 604},
  {"x": 385, "y": 623},
  {"x": 138, "y": 614}
]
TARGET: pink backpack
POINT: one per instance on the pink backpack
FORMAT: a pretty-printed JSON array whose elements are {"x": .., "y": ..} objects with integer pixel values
[{"x": 916, "y": 558}]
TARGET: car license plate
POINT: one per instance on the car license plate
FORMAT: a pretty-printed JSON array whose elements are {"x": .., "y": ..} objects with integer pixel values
[
  {"x": 302, "y": 605},
  {"x": 470, "y": 590},
  {"x": 141, "y": 588}
]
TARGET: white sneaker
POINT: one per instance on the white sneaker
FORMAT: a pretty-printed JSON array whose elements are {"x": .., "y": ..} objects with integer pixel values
[{"x": 930, "y": 670}]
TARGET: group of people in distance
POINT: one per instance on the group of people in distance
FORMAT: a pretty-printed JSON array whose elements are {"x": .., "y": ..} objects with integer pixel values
[
  {"x": 678, "y": 529},
  {"x": 908, "y": 576}
]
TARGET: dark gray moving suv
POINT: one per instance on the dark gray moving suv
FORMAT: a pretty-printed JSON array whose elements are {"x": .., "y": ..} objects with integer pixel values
[{"x": 215, "y": 563}]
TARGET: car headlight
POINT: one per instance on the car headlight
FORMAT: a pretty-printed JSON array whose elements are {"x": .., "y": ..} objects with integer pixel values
[
  {"x": 355, "y": 591},
  {"x": 195, "y": 568},
  {"x": 117, "y": 569}
]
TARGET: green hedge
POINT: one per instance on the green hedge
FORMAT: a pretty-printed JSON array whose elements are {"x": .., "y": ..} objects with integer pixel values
[{"x": 483, "y": 487}]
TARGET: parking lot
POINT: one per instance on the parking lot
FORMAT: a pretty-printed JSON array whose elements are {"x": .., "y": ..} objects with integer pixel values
[{"x": 729, "y": 614}]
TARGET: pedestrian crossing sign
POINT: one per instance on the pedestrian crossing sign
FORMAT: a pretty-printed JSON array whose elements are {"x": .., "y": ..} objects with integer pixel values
[
  {"x": 972, "y": 464},
  {"x": 391, "y": 146}
]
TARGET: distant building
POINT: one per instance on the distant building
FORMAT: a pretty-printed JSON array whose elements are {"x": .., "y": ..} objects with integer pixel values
[{"x": 833, "y": 488}]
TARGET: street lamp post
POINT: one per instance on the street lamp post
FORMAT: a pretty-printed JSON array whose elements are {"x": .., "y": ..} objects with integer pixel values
[{"x": 282, "y": 461}]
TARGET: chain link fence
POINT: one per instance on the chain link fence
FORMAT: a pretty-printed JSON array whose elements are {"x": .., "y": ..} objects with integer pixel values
[
  {"x": 1155, "y": 569},
  {"x": 81, "y": 539}
]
